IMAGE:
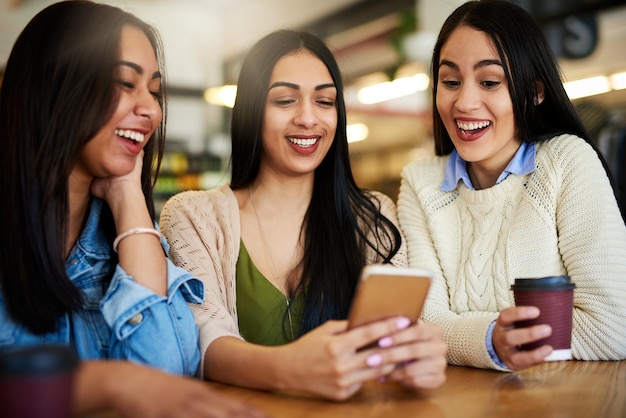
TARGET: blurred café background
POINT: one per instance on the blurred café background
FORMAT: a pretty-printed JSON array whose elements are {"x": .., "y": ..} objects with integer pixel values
[{"x": 384, "y": 49}]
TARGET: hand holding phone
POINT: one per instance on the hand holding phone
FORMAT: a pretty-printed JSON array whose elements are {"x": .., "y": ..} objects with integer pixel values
[{"x": 385, "y": 291}]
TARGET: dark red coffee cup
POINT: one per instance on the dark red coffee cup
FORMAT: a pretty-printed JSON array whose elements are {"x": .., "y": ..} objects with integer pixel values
[
  {"x": 554, "y": 296},
  {"x": 37, "y": 382}
]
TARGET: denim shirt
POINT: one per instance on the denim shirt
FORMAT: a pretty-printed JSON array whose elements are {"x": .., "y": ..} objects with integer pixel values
[{"x": 125, "y": 321}]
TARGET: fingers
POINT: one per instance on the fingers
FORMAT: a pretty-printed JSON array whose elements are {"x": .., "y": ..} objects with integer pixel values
[
  {"x": 507, "y": 339},
  {"x": 514, "y": 314},
  {"x": 418, "y": 356},
  {"x": 421, "y": 374},
  {"x": 367, "y": 334}
]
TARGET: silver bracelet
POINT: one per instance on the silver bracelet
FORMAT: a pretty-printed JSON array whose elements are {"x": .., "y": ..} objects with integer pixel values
[{"x": 135, "y": 231}]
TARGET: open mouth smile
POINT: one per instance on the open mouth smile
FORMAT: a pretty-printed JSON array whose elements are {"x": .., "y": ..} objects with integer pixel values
[
  {"x": 132, "y": 135},
  {"x": 303, "y": 142}
]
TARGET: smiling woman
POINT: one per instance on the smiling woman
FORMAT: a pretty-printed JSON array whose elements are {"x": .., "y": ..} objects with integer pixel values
[
  {"x": 517, "y": 190},
  {"x": 281, "y": 248},
  {"x": 81, "y": 120}
]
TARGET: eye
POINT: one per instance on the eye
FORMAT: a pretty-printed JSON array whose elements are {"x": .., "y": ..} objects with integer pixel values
[
  {"x": 451, "y": 84},
  {"x": 126, "y": 84},
  {"x": 490, "y": 84},
  {"x": 326, "y": 102},
  {"x": 156, "y": 93},
  {"x": 283, "y": 102}
]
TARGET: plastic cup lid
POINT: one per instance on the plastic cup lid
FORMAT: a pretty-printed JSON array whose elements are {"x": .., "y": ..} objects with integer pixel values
[
  {"x": 37, "y": 360},
  {"x": 543, "y": 283}
]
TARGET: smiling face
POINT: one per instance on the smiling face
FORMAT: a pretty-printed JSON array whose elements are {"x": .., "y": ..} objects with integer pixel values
[
  {"x": 473, "y": 100},
  {"x": 114, "y": 149},
  {"x": 300, "y": 116}
]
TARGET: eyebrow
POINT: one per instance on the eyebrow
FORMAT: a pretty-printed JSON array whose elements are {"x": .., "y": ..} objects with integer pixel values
[
  {"x": 297, "y": 87},
  {"x": 480, "y": 64},
  {"x": 137, "y": 68}
]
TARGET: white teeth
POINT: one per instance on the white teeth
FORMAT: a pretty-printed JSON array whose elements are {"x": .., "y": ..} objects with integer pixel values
[
  {"x": 470, "y": 126},
  {"x": 127, "y": 133},
  {"x": 304, "y": 143}
]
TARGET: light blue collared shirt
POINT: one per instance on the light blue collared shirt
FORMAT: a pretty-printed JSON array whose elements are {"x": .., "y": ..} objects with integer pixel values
[{"x": 523, "y": 162}]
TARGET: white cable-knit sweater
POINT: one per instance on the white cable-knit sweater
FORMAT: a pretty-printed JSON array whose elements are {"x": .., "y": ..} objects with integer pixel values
[
  {"x": 203, "y": 231},
  {"x": 560, "y": 219}
]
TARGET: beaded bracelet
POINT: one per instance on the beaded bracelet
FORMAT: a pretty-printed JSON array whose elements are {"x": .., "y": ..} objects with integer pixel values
[{"x": 135, "y": 231}]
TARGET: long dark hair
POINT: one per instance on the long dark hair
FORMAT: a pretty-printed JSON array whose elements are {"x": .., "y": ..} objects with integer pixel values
[
  {"x": 57, "y": 93},
  {"x": 340, "y": 217},
  {"x": 526, "y": 58}
]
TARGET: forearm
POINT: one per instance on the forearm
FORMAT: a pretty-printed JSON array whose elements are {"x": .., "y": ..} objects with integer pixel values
[
  {"x": 140, "y": 255},
  {"x": 237, "y": 362},
  {"x": 95, "y": 386}
]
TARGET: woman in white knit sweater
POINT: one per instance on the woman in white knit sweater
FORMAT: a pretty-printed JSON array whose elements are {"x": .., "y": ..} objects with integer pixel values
[
  {"x": 517, "y": 190},
  {"x": 281, "y": 248}
]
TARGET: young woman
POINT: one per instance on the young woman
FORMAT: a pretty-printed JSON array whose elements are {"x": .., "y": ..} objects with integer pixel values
[
  {"x": 81, "y": 120},
  {"x": 517, "y": 191},
  {"x": 281, "y": 248}
]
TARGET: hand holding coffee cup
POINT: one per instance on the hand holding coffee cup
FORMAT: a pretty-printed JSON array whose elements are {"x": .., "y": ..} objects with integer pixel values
[{"x": 554, "y": 297}]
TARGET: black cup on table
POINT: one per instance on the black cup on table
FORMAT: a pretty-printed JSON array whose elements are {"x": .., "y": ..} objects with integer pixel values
[
  {"x": 37, "y": 381},
  {"x": 554, "y": 296}
]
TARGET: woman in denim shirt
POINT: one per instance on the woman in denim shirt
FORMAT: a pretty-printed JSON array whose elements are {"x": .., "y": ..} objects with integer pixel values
[{"x": 81, "y": 119}]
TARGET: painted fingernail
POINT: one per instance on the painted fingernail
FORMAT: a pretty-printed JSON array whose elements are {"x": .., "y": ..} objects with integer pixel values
[
  {"x": 382, "y": 379},
  {"x": 403, "y": 323},
  {"x": 385, "y": 342},
  {"x": 374, "y": 360}
]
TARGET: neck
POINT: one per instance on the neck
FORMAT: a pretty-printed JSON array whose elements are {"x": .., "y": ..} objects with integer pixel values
[
  {"x": 79, "y": 197},
  {"x": 282, "y": 197}
]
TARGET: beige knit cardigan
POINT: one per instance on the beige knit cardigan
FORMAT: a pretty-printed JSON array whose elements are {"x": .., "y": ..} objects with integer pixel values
[{"x": 203, "y": 231}]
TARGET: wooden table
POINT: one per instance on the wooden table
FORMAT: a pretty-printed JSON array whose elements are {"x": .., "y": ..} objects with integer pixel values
[{"x": 566, "y": 389}]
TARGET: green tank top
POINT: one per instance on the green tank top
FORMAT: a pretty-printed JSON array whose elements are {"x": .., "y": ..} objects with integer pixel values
[{"x": 262, "y": 308}]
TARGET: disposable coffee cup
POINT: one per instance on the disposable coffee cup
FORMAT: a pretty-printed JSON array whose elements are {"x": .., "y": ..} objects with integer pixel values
[
  {"x": 554, "y": 296},
  {"x": 37, "y": 382}
]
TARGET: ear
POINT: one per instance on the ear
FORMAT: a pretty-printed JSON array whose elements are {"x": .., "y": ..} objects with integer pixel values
[{"x": 540, "y": 93}]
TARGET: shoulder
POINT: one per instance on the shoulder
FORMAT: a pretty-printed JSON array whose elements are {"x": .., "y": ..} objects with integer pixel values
[
  {"x": 429, "y": 170},
  {"x": 218, "y": 202},
  {"x": 381, "y": 199},
  {"x": 565, "y": 148}
]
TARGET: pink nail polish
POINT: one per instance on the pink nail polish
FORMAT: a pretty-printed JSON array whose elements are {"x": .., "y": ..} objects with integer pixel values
[
  {"x": 385, "y": 342},
  {"x": 374, "y": 360},
  {"x": 403, "y": 323}
]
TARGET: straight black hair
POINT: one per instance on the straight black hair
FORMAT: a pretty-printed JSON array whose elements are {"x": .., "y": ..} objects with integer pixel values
[
  {"x": 57, "y": 93},
  {"x": 526, "y": 59},
  {"x": 340, "y": 216}
]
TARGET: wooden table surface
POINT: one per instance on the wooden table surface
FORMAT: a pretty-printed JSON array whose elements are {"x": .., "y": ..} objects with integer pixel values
[{"x": 567, "y": 389}]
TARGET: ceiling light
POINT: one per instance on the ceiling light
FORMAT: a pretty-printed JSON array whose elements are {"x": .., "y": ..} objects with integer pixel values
[
  {"x": 357, "y": 132},
  {"x": 587, "y": 87},
  {"x": 618, "y": 81},
  {"x": 221, "y": 95},
  {"x": 388, "y": 90}
]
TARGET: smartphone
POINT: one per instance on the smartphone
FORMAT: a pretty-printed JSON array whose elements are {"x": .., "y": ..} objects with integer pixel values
[{"x": 384, "y": 291}]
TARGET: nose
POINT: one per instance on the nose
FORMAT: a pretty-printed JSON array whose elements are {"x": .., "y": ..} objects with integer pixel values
[
  {"x": 306, "y": 115},
  {"x": 148, "y": 106},
  {"x": 468, "y": 98}
]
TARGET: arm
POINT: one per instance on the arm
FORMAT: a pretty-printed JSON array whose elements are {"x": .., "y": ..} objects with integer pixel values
[
  {"x": 592, "y": 241},
  {"x": 388, "y": 209},
  {"x": 136, "y": 391},
  {"x": 145, "y": 303},
  {"x": 422, "y": 214},
  {"x": 323, "y": 362}
]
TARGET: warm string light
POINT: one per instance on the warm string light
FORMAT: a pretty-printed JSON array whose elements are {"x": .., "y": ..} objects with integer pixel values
[
  {"x": 404, "y": 86},
  {"x": 595, "y": 85}
]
